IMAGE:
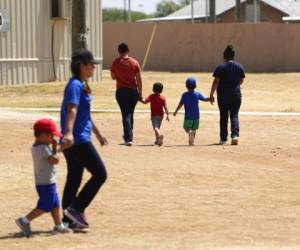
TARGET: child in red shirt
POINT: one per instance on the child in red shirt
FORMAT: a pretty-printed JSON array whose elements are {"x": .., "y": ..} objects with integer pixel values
[{"x": 158, "y": 106}]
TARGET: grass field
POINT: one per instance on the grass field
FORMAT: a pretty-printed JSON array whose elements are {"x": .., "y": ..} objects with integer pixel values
[
  {"x": 262, "y": 92},
  {"x": 176, "y": 196}
]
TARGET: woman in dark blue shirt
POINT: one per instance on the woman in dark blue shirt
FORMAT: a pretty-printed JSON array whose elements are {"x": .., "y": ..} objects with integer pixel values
[
  {"x": 228, "y": 78},
  {"x": 77, "y": 126}
]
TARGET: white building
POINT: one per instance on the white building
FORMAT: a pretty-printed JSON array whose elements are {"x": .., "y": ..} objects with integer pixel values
[{"x": 35, "y": 47}]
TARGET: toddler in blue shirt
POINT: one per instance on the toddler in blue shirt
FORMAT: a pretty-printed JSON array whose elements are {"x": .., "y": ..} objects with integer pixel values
[{"x": 190, "y": 101}]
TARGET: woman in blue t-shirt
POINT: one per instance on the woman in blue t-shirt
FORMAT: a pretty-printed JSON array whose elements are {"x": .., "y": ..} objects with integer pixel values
[
  {"x": 229, "y": 77},
  {"x": 77, "y": 127}
]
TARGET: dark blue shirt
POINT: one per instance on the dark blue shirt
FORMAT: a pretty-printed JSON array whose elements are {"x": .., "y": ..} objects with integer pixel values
[
  {"x": 190, "y": 100},
  {"x": 230, "y": 74},
  {"x": 75, "y": 94}
]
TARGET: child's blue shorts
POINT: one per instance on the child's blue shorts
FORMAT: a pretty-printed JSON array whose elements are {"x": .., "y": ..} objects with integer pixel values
[{"x": 48, "y": 197}]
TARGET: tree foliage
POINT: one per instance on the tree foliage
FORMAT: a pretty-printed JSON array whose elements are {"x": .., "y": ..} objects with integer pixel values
[
  {"x": 118, "y": 15},
  {"x": 167, "y": 7}
]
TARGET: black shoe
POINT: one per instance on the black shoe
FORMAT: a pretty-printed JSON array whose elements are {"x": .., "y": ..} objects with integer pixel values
[
  {"x": 76, "y": 228},
  {"x": 76, "y": 217}
]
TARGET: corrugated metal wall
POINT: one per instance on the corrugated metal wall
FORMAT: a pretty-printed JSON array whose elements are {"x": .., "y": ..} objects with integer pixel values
[{"x": 25, "y": 51}]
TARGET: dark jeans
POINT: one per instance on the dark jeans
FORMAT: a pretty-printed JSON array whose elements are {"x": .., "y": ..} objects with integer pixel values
[
  {"x": 79, "y": 157},
  {"x": 229, "y": 105},
  {"x": 127, "y": 100}
]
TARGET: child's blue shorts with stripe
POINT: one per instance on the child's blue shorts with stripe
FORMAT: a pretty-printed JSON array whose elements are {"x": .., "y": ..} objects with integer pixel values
[{"x": 48, "y": 197}]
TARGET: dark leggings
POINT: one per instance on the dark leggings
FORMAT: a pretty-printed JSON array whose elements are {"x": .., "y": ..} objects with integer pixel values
[
  {"x": 229, "y": 105},
  {"x": 79, "y": 157},
  {"x": 127, "y": 100}
]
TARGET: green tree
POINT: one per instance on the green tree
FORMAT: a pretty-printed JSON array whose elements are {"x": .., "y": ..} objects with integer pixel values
[
  {"x": 183, "y": 3},
  {"x": 118, "y": 15},
  {"x": 165, "y": 8}
]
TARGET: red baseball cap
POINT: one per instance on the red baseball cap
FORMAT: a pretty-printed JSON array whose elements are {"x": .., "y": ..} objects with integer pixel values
[{"x": 47, "y": 126}]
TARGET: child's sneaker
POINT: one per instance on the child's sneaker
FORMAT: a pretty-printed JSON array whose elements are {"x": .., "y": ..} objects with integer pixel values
[
  {"x": 160, "y": 141},
  {"x": 76, "y": 217},
  {"x": 235, "y": 141},
  {"x": 24, "y": 226},
  {"x": 61, "y": 229}
]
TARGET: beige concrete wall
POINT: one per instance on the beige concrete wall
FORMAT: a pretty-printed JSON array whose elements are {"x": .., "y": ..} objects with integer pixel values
[
  {"x": 199, "y": 47},
  {"x": 25, "y": 50}
]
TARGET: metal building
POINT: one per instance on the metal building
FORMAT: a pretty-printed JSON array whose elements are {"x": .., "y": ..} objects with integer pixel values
[{"x": 35, "y": 39}]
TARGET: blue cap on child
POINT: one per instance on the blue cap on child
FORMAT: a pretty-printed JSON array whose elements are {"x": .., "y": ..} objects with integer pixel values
[{"x": 191, "y": 82}]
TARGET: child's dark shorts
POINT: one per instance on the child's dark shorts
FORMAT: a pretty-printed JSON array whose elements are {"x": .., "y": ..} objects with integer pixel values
[
  {"x": 156, "y": 121},
  {"x": 48, "y": 197}
]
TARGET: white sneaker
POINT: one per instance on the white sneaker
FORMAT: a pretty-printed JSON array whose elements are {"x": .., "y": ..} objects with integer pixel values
[
  {"x": 61, "y": 229},
  {"x": 24, "y": 226},
  {"x": 223, "y": 142},
  {"x": 235, "y": 141},
  {"x": 129, "y": 143}
]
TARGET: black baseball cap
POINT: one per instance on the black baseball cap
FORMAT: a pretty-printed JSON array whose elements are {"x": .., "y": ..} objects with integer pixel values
[{"x": 85, "y": 56}]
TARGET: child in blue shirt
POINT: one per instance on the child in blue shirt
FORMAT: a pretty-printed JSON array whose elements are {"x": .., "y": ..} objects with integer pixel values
[{"x": 190, "y": 101}]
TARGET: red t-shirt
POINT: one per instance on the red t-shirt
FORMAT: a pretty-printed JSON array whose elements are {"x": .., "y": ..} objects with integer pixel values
[
  {"x": 157, "y": 103},
  {"x": 125, "y": 70}
]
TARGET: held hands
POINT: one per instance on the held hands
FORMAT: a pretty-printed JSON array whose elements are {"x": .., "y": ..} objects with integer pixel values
[
  {"x": 175, "y": 113},
  {"x": 67, "y": 141},
  {"x": 212, "y": 100}
]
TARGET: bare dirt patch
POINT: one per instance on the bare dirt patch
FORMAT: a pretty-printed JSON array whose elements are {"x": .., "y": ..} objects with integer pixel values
[{"x": 173, "y": 197}]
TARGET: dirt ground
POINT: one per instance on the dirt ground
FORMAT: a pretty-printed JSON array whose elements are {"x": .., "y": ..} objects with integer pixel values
[{"x": 173, "y": 197}]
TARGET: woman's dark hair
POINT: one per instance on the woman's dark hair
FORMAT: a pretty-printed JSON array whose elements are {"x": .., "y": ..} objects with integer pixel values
[
  {"x": 123, "y": 48},
  {"x": 229, "y": 52},
  {"x": 75, "y": 69},
  {"x": 158, "y": 87}
]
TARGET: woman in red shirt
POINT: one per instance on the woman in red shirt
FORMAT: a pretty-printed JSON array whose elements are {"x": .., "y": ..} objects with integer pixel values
[{"x": 127, "y": 73}]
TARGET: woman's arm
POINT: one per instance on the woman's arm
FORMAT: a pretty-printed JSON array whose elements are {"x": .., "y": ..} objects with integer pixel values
[
  {"x": 139, "y": 84},
  {"x": 113, "y": 76},
  {"x": 213, "y": 89},
  {"x": 68, "y": 139},
  {"x": 99, "y": 136}
]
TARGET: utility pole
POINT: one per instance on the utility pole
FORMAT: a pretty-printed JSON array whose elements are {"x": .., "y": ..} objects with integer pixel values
[
  {"x": 212, "y": 11},
  {"x": 125, "y": 10},
  {"x": 255, "y": 11},
  {"x": 129, "y": 11},
  {"x": 238, "y": 11},
  {"x": 206, "y": 10},
  {"x": 78, "y": 25},
  {"x": 192, "y": 11}
]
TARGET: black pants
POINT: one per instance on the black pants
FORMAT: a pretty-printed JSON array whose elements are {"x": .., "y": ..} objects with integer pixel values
[
  {"x": 127, "y": 100},
  {"x": 229, "y": 105},
  {"x": 79, "y": 157}
]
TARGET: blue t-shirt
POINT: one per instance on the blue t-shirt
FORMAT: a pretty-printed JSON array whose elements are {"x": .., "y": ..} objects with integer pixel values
[
  {"x": 230, "y": 74},
  {"x": 75, "y": 94},
  {"x": 190, "y": 100}
]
